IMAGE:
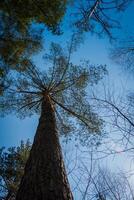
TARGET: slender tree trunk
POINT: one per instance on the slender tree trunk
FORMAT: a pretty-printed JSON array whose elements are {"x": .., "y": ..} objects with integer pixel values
[{"x": 45, "y": 177}]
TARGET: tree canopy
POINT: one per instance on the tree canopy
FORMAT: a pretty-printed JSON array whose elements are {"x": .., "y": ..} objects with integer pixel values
[
  {"x": 65, "y": 83},
  {"x": 22, "y": 23},
  {"x": 21, "y": 26}
]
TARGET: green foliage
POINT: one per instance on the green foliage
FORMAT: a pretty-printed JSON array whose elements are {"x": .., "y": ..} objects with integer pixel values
[
  {"x": 21, "y": 26},
  {"x": 24, "y": 12},
  {"x": 66, "y": 84},
  {"x": 12, "y": 163}
]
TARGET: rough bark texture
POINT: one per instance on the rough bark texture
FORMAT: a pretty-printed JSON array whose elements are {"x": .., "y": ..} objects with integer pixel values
[{"x": 45, "y": 176}]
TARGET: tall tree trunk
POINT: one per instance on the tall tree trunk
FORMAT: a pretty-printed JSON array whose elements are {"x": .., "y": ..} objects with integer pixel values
[{"x": 45, "y": 176}]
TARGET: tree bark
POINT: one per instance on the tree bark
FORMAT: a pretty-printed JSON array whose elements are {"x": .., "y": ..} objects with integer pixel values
[{"x": 45, "y": 177}]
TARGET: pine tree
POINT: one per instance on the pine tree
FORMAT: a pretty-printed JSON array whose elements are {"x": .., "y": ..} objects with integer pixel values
[
  {"x": 21, "y": 25},
  {"x": 12, "y": 163},
  {"x": 59, "y": 96}
]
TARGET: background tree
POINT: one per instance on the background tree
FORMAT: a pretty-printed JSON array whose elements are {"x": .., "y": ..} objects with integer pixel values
[
  {"x": 97, "y": 16},
  {"x": 12, "y": 163},
  {"x": 123, "y": 54},
  {"x": 111, "y": 186},
  {"x": 21, "y": 25},
  {"x": 60, "y": 97}
]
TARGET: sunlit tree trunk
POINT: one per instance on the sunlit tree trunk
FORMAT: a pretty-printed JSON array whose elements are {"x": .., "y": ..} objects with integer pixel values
[{"x": 45, "y": 176}]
